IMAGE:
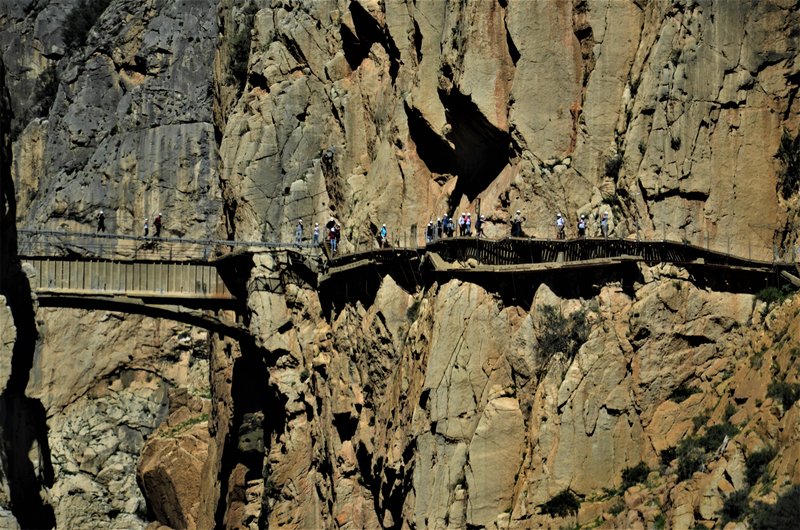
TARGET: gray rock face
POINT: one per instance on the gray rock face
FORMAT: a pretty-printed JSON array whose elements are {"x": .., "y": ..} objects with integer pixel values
[
  {"x": 95, "y": 442},
  {"x": 130, "y": 129}
]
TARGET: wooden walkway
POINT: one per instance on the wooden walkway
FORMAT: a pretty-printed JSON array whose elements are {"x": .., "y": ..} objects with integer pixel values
[
  {"x": 134, "y": 279},
  {"x": 465, "y": 256},
  {"x": 216, "y": 278}
]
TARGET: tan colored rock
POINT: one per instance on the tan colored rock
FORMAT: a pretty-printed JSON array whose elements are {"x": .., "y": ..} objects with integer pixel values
[
  {"x": 495, "y": 454},
  {"x": 8, "y": 335},
  {"x": 168, "y": 470}
]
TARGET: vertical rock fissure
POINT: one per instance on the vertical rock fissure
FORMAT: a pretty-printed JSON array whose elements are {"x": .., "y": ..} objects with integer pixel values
[
  {"x": 249, "y": 373},
  {"x": 22, "y": 419}
]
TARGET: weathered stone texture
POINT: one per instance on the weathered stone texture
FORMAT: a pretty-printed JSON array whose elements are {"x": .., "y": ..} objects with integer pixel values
[{"x": 434, "y": 408}]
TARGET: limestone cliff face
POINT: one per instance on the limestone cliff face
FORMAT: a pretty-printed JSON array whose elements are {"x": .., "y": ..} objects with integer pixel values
[
  {"x": 427, "y": 108},
  {"x": 441, "y": 407}
]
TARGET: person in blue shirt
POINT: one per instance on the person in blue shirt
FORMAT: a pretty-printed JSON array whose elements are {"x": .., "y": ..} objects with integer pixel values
[{"x": 382, "y": 237}]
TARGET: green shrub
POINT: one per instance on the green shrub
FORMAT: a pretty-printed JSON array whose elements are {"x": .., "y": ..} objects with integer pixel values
[
  {"x": 659, "y": 522},
  {"x": 617, "y": 508},
  {"x": 634, "y": 475},
  {"x": 700, "y": 420},
  {"x": 668, "y": 455},
  {"x": 690, "y": 456},
  {"x": 682, "y": 393},
  {"x": 561, "y": 334},
  {"x": 786, "y": 393},
  {"x": 734, "y": 507},
  {"x": 563, "y": 504},
  {"x": 789, "y": 156},
  {"x": 782, "y": 514},
  {"x": 730, "y": 410},
  {"x": 770, "y": 295},
  {"x": 714, "y": 436},
  {"x": 80, "y": 20},
  {"x": 756, "y": 464}
]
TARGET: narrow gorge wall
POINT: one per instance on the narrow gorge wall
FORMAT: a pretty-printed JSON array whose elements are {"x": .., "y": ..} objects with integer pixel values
[{"x": 433, "y": 408}]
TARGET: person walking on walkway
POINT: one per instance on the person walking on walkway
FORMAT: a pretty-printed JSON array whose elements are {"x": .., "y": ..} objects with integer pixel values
[
  {"x": 479, "y": 227},
  {"x": 157, "y": 225},
  {"x": 516, "y": 225},
  {"x": 298, "y": 234},
  {"x": 101, "y": 221},
  {"x": 559, "y": 226},
  {"x": 146, "y": 227},
  {"x": 316, "y": 235},
  {"x": 468, "y": 225},
  {"x": 382, "y": 237},
  {"x": 582, "y": 226},
  {"x": 332, "y": 238},
  {"x": 604, "y": 225}
]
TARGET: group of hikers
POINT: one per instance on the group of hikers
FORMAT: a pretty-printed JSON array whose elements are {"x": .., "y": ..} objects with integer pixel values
[
  {"x": 332, "y": 232},
  {"x": 582, "y": 225},
  {"x": 101, "y": 224},
  {"x": 447, "y": 226},
  {"x": 444, "y": 226}
]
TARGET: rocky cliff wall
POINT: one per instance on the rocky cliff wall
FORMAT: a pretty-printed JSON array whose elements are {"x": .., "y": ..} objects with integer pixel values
[
  {"x": 451, "y": 408},
  {"x": 400, "y": 408},
  {"x": 659, "y": 112}
]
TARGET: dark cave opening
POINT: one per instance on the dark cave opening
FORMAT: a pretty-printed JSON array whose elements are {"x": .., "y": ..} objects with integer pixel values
[
  {"x": 481, "y": 149},
  {"x": 368, "y": 31},
  {"x": 474, "y": 150}
]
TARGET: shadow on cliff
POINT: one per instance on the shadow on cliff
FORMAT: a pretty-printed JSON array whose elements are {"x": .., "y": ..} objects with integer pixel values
[{"x": 23, "y": 422}]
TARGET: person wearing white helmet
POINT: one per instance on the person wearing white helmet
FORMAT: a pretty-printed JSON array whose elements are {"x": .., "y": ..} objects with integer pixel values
[
  {"x": 316, "y": 235},
  {"x": 382, "y": 237},
  {"x": 559, "y": 226},
  {"x": 298, "y": 234},
  {"x": 582, "y": 226},
  {"x": 468, "y": 225},
  {"x": 146, "y": 227},
  {"x": 101, "y": 221},
  {"x": 604, "y": 225},
  {"x": 516, "y": 224},
  {"x": 479, "y": 226}
]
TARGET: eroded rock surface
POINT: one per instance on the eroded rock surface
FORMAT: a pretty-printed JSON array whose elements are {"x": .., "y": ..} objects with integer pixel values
[{"x": 393, "y": 407}]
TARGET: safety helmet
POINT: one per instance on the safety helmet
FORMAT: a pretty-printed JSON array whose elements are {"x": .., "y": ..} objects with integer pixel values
[{"x": 558, "y": 215}]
